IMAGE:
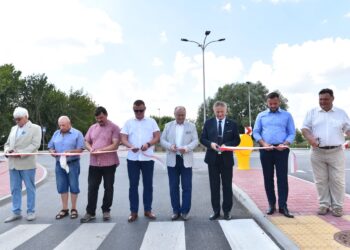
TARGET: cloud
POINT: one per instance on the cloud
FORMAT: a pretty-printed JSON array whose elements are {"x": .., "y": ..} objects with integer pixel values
[
  {"x": 278, "y": 1},
  {"x": 226, "y": 7},
  {"x": 157, "y": 62},
  {"x": 324, "y": 21},
  {"x": 163, "y": 37},
  {"x": 49, "y": 35},
  {"x": 243, "y": 7},
  {"x": 299, "y": 71},
  {"x": 347, "y": 15}
]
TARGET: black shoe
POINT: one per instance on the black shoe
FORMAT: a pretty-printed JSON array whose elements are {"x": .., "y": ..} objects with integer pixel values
[
  {"x": 214, "y": 216},
  {"x": 285, "y": 212},
  {"x": 87, "y": 217},
  {"x": 271, "y": 210},
  {"x": 227, "y": 216},
  {"x": 175, "y": 216}
]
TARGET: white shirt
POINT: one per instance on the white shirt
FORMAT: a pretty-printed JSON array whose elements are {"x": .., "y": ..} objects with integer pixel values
[
  {"x": 179, "y": 134},
  {"x": 329, "y": 127},
  {"x": 140, "y": 132}
]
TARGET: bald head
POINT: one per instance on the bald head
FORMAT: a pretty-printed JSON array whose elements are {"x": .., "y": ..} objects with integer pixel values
[{"x": 64, "y": 124}]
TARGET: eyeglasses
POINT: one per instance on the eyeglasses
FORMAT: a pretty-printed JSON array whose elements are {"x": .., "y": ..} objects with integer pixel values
[
  {"x": 18, "y": 119},
  {"x": 139, "y": 110}
]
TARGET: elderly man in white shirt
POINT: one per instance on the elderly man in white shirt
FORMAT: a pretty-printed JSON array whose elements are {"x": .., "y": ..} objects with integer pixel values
[
  {"x": 140, "y": 134},
  {"x": 324, "y": 128},
  {"x": 180, "y": 138}
]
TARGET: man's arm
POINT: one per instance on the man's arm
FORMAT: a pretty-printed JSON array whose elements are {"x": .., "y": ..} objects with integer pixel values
[
  {"x": 310, "y": 137},
  {"x": 155, "y": 139}
]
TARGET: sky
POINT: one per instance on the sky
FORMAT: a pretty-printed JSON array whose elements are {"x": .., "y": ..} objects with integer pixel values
[{"x": 118, "y": 51}]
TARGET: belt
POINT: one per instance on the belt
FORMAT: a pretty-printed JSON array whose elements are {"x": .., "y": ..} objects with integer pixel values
[
  {"x": 329, "y": 147},
  {"x": 72, "y": 160}
]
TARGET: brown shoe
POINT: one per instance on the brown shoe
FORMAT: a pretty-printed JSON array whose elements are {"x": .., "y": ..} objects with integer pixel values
[
  {"x": 150, "y": 215},
  {"x": 322, "y": 210},
  {"x": 337, "y": 211},
  {"x": 132, "y": 217}
]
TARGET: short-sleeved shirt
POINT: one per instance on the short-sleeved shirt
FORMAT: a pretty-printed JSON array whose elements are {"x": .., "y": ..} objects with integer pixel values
[
  {"x": 274, "y": 127},
  {"x": 328, "y": 127},
  {"x": 72, "y": 139},
  {"x": 140, "y": 132},
  {"x": 101, "y": 136}
]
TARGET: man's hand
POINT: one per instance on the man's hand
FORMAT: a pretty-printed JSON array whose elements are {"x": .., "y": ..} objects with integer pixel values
[
  {"x": 281, "y": 147},
  {"x": 12, "y": 152},
  {"x": 314, "y": 142},
  {"x": 264, "y": 144},
  {"x": 53, "y": 152},
  {"x": 182, "y": 150},
  {"x": 144, "y": 147},
  {"x": 214, "y": 146},
  {"x": 173, "y": 148}
]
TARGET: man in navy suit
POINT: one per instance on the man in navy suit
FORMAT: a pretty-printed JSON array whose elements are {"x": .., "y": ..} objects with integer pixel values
[{"x": 220, "y": 131}]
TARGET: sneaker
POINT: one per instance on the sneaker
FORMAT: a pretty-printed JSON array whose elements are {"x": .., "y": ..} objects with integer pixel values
[
  {"x": 87, "y": 217},
  {"x": 337, "y": 211},
  {"x": 322, "y": 210},
  {"x": 13, "y": 217},
  {"x": 106, "y": 216},
  {"x": 185, "y": 217},
  {"x": 30, "y": 216}
]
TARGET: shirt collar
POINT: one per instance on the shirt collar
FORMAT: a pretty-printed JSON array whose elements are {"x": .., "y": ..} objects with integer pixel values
[
  {"x": 223, "y": 120},
  {"x": 322, "y": 110},
  {"x": 278, "y": 110}
]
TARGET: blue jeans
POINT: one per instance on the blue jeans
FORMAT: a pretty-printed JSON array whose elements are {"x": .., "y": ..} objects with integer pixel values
[
  {"x": 174, "y": 174},
  {"x": 16, "y": 178},
  {"x": 134, "y": 169},
  {"x": 68, "y": 182}
]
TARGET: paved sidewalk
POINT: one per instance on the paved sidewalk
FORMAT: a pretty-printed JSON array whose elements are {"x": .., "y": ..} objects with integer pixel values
[
  {"x": 307, "y": 230},
  {"x": 5, "y": 192}
]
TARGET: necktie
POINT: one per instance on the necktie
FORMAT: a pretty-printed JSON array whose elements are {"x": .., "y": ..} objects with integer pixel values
[{"x": 220, "y": 133}]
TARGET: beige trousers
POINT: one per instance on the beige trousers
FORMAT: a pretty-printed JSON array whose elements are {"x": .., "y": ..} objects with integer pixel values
[{"x": 329, "y": 173}]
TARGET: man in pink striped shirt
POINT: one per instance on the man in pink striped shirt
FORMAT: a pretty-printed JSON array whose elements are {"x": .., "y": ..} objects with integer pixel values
[{"x": 104, "y": 135}]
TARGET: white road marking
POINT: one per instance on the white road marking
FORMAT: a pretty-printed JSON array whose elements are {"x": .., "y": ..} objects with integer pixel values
[
  {"x": 164, "y": 235},
  {"x": 20, "y": 234},
  {"x": 246, "y": 234}
]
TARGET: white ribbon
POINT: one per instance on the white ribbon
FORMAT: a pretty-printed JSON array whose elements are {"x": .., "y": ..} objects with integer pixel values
[{"x": 63, "y": 163}]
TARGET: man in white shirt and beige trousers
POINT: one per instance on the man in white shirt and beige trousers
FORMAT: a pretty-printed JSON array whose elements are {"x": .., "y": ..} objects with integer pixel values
[{"x": 324, "y": 128}]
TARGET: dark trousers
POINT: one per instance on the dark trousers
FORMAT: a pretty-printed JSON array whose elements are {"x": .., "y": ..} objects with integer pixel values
[
  {"x": 175, "y": 173},
  {"x": 217, "y": 171},
  {"x": 270, "y": 160},
  {"x": 134, "y": 169},
  {"x": 94, "y": 180}
]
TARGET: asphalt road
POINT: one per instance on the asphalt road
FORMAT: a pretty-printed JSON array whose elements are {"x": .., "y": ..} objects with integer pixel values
[{"x": 200, "y": 232}]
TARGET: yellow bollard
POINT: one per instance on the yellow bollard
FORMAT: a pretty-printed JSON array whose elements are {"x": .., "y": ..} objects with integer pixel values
[{"x": 243, "y": 156}]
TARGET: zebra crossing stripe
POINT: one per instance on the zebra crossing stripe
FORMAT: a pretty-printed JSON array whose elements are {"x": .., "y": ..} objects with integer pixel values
[
  {"x": 246, "y": 234},
  {"x": 20, "y": 234},
  {"x": 164, "y": 235},
  {"x": 87, "y": 237}
]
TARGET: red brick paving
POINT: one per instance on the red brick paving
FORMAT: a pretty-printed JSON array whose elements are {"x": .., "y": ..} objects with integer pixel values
[{"x": 302, "y": 197}]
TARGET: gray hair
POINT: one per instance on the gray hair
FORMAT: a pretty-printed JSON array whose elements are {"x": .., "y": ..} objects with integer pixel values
[
  {"x": 178, "y": 108},
  {"x": 220, "y": 104},
  {"x": 64, "y": 118},
  {"x": 20, "y": 112}
]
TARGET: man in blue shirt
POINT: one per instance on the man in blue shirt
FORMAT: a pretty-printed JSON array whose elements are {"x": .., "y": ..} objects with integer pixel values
[
  {"x": 275, "y": 128},
  {"x": 67, "y": 140}
]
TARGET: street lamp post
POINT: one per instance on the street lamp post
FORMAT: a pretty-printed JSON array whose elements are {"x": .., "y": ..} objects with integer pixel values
[
  {"x": 250, "y": 117},
  {"x": 203, "y": 47}
]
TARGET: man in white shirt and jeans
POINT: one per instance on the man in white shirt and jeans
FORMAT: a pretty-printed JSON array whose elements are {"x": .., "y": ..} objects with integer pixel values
[
  {"x": 324, "y": 128},
  {"x": 180, "y": 138},
  {"x": 140, "y": 134}
]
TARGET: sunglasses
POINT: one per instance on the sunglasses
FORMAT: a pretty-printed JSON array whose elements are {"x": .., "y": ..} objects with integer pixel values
[{"x": 139, "y": 110}]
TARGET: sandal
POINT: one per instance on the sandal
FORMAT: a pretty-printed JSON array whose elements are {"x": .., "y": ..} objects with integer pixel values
[
  {"x": 63, "y": 213},
  {"x": 73, "y": 213}
]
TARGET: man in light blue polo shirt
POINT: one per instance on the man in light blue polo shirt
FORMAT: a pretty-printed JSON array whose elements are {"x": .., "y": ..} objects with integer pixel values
[
  {"x": 274, "y": 128},
  {"x": 67, "y": 140}
]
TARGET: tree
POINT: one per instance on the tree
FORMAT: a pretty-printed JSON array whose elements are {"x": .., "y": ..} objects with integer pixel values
[
  {"x": 236, "y": 96},
  {"x": 10, "y": 85},
  {"x": 161, "y": 121}
]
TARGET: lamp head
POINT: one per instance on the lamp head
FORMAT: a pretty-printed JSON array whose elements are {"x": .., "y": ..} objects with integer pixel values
[
  {"x": 222, "y": 39},
  {"x": 184, "y": 39},
  {"x": 207, "y": 32}
]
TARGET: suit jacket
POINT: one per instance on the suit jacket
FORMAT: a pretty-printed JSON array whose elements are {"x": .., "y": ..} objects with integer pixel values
[
  {"x": 230, "y": 138},
  {"x": 27, "y": 142},
  {"x": 189, "y": 141}
]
